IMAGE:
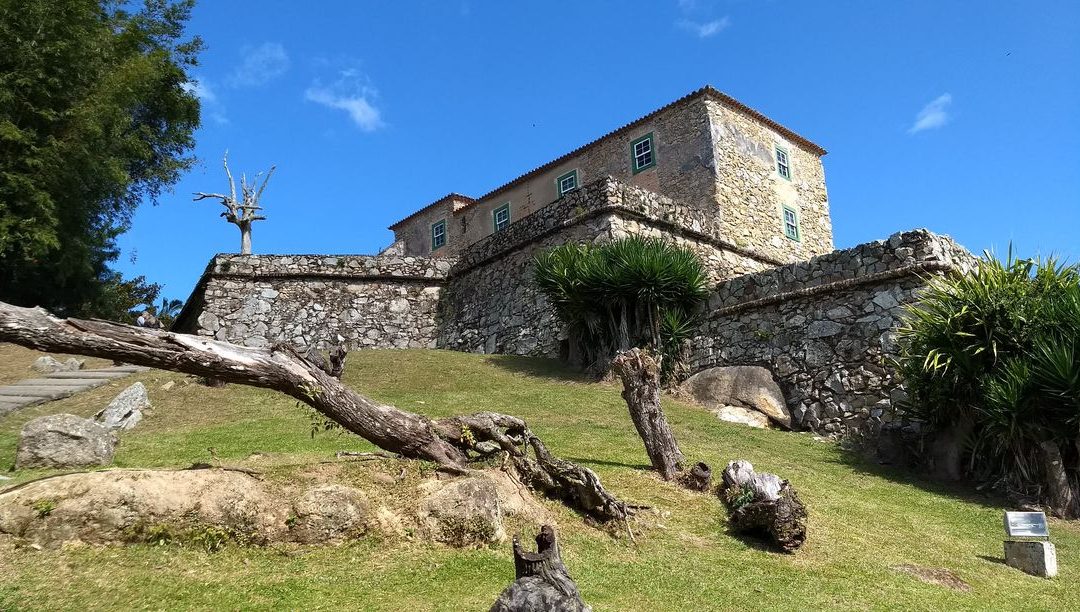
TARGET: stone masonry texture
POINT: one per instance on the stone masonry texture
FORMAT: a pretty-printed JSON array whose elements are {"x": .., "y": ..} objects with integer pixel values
[
  {"x": 825, "y": 326},
  {"x": 311, "y": 300}
]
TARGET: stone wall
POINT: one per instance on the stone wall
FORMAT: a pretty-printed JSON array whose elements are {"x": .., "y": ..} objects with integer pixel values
[
  {"x": 826, "y": 327},
  {"x": 310, "y": 300},
  {"x": 750, "y": 194},
  {"x": 490, "y": 304}
]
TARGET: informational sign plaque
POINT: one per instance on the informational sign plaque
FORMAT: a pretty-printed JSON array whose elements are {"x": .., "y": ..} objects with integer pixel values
[{"x": 1026, "y": 525}]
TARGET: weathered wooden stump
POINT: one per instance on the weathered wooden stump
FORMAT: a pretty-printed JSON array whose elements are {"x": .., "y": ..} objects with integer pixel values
[
  {"x": 541, "y": 581},
  {"x": 697, "y": 478},
  {"x": 763, "y": 504}
]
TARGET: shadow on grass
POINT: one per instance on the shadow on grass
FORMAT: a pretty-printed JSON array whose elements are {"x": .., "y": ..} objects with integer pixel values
[
  {"x": 632, "y": 466},
  {"x": 990, "y": 559},
  {"x": 541, "y": 367},
  {"x": 961, "y": 490}
]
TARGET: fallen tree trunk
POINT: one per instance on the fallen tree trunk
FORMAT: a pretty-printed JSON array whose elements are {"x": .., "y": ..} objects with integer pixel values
[
  {"x": 640, "y": 376},
  {"x": 763, "y": 504},
  {"x": 446, "y": 442},
  {"x": 541, "y": 581}
]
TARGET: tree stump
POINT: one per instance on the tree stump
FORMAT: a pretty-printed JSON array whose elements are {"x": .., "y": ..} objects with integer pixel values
[
  {"x": 640, "y": 375},
  {"x": 697, "y": 478},
  {"x": 541, "y": 581},
  {"x": 763, "y": 504}
]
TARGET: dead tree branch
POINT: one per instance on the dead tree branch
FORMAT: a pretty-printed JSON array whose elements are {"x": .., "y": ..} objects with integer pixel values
[
  {"x": 451, "y": 443},
  {"x": 241, "y": 212}
]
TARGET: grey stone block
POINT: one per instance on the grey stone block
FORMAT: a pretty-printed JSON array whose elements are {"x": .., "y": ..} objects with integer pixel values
[{"x": 1035, "y": 558}]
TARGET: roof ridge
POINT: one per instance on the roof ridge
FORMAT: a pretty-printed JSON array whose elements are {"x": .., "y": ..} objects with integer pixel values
[{"x": 707, "y": 90}]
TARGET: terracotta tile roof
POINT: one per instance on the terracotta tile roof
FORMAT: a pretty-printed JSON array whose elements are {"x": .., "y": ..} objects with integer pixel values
[
  {"x": 467, "y": 201},
  {"x": 706, "y": 91}
]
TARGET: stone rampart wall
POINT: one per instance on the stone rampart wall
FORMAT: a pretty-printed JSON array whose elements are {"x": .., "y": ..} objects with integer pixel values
[
  {"x": 310, "y": 300},
  {"x": 826, "y": 326},
  {"x": 490, "y": 304}
]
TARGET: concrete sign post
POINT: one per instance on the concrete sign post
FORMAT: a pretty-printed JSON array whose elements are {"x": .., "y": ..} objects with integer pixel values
[{"x": 1036, "y": 557}]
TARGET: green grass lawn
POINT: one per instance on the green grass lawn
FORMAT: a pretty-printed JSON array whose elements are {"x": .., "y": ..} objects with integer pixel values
[{"x": 864, "y": 520}]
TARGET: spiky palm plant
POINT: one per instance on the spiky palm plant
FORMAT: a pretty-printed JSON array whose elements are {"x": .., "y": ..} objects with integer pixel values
[
  {"x": 995, "y": 355},
  {"x": 623, "y": 294}
]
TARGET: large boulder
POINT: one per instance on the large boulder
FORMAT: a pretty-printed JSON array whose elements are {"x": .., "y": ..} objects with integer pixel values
[
  {"x": 330, "y": 513},
  {"x": 747, "y": 386},
  {"x": 64, "y": 441},
  {"x": 47, "y": 364},
  {"x": 138, "y": 505},
  {"x": 462, "y": 512},
  {"x": 742, "y": 416},
  {"x": 126, "y": 409}
]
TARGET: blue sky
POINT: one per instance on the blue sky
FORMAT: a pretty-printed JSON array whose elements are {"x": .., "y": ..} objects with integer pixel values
[{"x": 962, "y": 117}]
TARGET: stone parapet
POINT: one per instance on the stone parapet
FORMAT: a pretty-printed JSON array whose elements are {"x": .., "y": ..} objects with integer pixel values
[
  {"x": 327, "y": 266},
  {"x": 826, "y": 327}
]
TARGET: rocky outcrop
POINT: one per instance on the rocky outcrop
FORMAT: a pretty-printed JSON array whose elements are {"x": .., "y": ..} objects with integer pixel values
[
  {"x": 462, "y": 512},
  {"x": 64, "y": 441},
  {"x": 232, "y": 506},
  {"x": 748, "y": 387},
  {"x": 126, "y": 409},
  {"x": 47, "y": 364},
  {"x": 330, "y": 513}
]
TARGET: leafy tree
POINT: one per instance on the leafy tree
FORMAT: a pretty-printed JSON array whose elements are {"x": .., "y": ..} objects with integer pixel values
[
  {"x": 991, "y": 361},
  {"x": 632, "y": 292},
  {"x": 95, "y": 117}
]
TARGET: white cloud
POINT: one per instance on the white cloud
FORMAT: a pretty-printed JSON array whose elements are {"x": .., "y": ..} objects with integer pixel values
[
  {"x": 704, "y": 29},
  {"x": 210, "y": 106},
  {"x": 933, "y": 115},
  {"x": 352, "y": 94},
  {"x": 260, "y": 65},
  {"x": 201, "y": 89}
]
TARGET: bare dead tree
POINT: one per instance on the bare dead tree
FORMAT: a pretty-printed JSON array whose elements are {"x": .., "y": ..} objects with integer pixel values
[
  {"x": 241, "y": 212},
  {"x": 640, "y": 374},
  {"x": 452, "y": 443},
  {"x": 541, "y": 581}
]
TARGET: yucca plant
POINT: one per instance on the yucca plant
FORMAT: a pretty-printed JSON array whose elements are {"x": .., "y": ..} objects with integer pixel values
[
  {"x": 991, "y": 361},
  {"x": 629, "y": 292}
]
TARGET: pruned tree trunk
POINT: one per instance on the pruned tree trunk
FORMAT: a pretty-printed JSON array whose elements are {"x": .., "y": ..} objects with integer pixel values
[
  {"x": 947, "y": 452},
  {"x": 245, "y": 238},
  {"x": 640, "y": 376},
  {"x": 763, "y": 504},
  {"x": 541, "y": 581},
  {"x": 450, "y": 443},
  {"x": 1061, "y": 497}
]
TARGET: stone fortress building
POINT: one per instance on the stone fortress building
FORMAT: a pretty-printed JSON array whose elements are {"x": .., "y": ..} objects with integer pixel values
[{"x": 705, "y": 171}]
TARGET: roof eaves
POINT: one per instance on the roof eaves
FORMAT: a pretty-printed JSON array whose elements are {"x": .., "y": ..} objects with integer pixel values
[{"x": 443, "y": 200}]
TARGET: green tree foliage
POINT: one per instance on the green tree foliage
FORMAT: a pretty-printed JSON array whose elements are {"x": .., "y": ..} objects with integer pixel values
[
  {"x": 632, "y": 292},
  {"x": 95, "y": 117},
  {"x": 999, "y": 351}
]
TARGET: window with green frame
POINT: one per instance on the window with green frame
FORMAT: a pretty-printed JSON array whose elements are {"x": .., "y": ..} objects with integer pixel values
[
  {"x": 642, "y": 153},
  {"x": 566, "y": 183},
  {"x": 783, "y": 164},
  {"x": 438, "y": 234},
  {"x": 791, "y": 223},
  {"x": 500, "y": 217}
]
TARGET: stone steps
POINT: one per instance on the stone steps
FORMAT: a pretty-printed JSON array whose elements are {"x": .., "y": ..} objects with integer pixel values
[{"x": 58, "y": 385}]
